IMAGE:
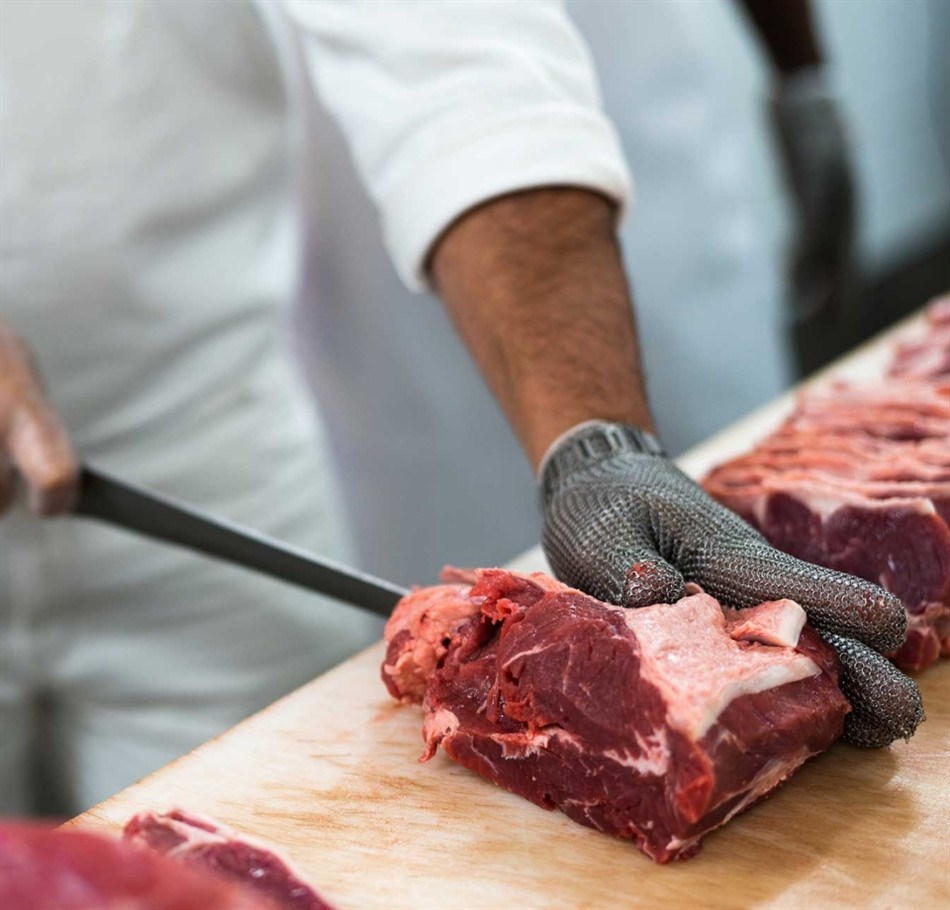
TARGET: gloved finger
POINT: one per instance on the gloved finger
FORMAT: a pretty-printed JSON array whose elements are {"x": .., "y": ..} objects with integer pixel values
[
  {"x": 650, "y": 579},
  {"x": 745, "y": 571},
  {"x": 635, "y": 578},
  {"x": 38, "y": 445},
  {"x": 885, "y": 703},
  {"x": 609, "y": 557}
]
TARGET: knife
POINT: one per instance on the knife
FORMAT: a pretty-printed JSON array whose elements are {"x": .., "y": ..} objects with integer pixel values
[{"x": 137, "y": 509}]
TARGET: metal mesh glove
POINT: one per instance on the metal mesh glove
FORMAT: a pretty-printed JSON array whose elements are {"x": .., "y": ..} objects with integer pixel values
[
  {"x": 885, "y": 704},
  {"x": 624, "y": 524}
]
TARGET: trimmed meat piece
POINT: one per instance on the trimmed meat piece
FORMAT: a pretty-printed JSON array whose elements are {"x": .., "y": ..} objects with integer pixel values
[
  {"x": 208, "y": 845},
  {"x": 656, "y": 725}
]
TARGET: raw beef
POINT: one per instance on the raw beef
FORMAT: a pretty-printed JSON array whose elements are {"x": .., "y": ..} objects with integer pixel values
[
  {"x": 208, "y": 845},
  {"x": 657, "y": 724},
  {"x": 858, "y": 479},
  {"x": 927, "y": 354},
  {"x": 43, "y": 868}
]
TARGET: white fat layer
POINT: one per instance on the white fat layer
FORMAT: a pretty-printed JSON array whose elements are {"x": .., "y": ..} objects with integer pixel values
[
  {"x": 778, "y": 622},
  {"x": 824, "y": 499},
  {"x": 788, "y": 627},
  {"x": 653, "y": 758},
  {"x": 652, "y": 755},
  {"x": 527, "y": 744},
  {"x": 687, "y": 653},
  {"x": 521, "y": 745},
  {"x": 439, "y": 724}
]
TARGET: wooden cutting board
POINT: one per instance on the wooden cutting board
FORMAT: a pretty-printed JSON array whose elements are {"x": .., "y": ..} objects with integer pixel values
[{"x": 329, "y": 776}]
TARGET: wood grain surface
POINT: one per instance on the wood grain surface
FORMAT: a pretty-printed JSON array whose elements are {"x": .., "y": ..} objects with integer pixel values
[{"x": 330, "y": 776}]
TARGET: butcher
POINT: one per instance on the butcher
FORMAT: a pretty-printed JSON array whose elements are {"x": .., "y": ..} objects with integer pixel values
[{"x": 148, "y": 240}]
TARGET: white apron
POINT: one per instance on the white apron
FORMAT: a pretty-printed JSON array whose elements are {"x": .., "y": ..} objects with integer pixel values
[{"x": 146, "y": 249}]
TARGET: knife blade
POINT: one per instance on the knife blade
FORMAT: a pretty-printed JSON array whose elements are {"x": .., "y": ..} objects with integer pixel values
[{"x": 134, "y": 508}]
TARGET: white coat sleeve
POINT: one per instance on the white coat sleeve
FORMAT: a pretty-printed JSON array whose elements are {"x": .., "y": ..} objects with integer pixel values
[{"x": 448, "y": 103}]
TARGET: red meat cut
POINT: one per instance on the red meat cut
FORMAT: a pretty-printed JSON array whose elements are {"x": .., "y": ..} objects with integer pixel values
[
  {"x": 927, "y": 354},
  {"x": 206, "y": 844},
  {"x": 43, "y": 868},
  {"x": 858, "y": 479},
  {"x": 656, "y": 724}
]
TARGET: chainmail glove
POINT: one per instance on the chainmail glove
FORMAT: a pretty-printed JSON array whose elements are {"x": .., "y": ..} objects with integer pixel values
[{"x": 624, "y": 524}]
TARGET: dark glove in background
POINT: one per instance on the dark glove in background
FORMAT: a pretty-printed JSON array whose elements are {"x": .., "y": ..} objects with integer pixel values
[
  {"x": 823, "y": 286},
  {"x": 624, "y": 524}
]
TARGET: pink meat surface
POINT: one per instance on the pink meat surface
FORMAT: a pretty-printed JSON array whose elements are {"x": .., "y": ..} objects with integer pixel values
[
  {"x": 205, "y": 844},
  {"x": 851, "y": 456},
  {"x": 897, "y": 409},
  {"x": 657, "y": 724},
  {"x": 420, "y": 632},
  {"x": 858, "y": 479},
  {"x": 423, "y": 627},
  {"x": 926, "y": 355},
  {"x": 43, "y": 868}
]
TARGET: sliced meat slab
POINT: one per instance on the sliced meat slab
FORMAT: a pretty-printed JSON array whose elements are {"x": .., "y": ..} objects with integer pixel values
[
  {"x": 858, "y": 479},
  {"x": 656, "y": 725},
  {"x": 208, "y": 845}
]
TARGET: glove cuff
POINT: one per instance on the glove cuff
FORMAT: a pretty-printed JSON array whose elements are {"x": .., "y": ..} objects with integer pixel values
[{"x": 589, "y": 443}]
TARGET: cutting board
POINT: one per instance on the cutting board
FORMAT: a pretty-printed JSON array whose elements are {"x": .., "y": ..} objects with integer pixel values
[{"x": 330, "y": 776}]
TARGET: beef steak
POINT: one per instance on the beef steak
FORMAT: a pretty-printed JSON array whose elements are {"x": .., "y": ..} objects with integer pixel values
[
  {"x": 858, "y": 479},
  {"x": 657, "y": 724}
]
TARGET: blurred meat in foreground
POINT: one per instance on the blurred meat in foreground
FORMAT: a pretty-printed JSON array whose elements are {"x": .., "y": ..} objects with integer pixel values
[{"x": 164, "y": 862}]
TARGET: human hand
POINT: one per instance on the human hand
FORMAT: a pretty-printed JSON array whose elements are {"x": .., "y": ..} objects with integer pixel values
[
  {"x": 624, "y": 524},
  {"x": 34, "y": 444},
  {"x": 813, "y": 149}
]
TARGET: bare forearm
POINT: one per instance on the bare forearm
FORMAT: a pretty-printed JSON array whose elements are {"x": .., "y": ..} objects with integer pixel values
[{"x": 535, "y": 285}]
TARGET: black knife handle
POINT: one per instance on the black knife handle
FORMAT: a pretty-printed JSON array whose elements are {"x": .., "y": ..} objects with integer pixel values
[{"x": 137, "y": 509}]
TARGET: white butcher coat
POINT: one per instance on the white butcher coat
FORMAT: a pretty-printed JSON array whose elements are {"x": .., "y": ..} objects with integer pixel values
[
  {"x": 148, "y": 242},
  {"x": 684, "y": 85}
]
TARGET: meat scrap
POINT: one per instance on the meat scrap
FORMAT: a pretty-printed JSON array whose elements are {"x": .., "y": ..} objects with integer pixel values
[
  {"x": 858, "y": 479},
  {"x": 208, "y": 845},
  {"x": 656, "y": 724},
  {"x": 926, "y": 355},
  {"x": 44, "y": 868}
]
